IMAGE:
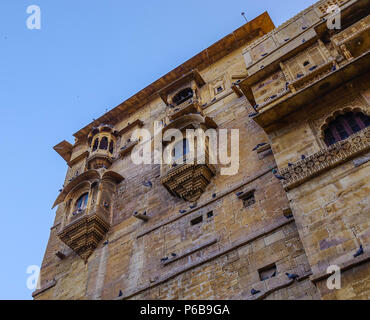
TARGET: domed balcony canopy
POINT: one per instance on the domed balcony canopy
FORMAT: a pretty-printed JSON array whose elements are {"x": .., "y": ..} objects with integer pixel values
[
  {"x": 192, "y": 121},
  {"x": 190, "y": 77},
  {"x": 88, "y": 176},
  {"x": 102, "y": 128}
]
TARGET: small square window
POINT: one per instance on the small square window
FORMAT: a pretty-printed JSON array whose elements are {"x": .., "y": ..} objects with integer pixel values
[
  {"x": 218, "y": 89},
  {"x": 267, "y": 272},
  {"x": 196, "y": 220},
  {"x": 210, "y": 214}
]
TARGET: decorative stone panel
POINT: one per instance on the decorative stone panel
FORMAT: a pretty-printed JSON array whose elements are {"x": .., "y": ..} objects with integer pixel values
[{"x": 326, "y": 159}]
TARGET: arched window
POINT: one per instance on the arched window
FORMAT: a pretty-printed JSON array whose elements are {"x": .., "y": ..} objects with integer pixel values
[
  {"x": 345, "y": 125},
  {"x": 96, "y": 143},
  {"x": 111, "y": 146},
  {"x": 182, "y": 96},
  {"x": 180, "y": 149},
  {"x": 81, "y": 203},
  {"x": 104, "y": 143}
]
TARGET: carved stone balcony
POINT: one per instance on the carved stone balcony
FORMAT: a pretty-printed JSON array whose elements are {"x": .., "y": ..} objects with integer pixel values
[
  {"x": 326, "y": 159},
  {"x": 82, "y": 228},
  {"x": 188, "y": 181},
  {"x": 354, "y": 40},
  {"x": 315, "y": 84},
  {"x": 311, "y": 77},
  {"x": 99, "y": 159}
]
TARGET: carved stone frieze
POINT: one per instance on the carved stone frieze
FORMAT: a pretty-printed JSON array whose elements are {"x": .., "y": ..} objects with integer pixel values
[{"x": 326, "y": 159}]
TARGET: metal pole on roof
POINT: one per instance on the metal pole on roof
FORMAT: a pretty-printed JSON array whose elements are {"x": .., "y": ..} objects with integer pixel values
[{"x": 243, "y": 14}]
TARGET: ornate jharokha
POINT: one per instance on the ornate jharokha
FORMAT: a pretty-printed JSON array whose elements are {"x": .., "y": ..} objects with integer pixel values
[
  {"x": 87, "y": 198},
  {"x": 184, "y": 175},
  {"x": 87, "y": 201},
  {"x": 102, "y": 142}
]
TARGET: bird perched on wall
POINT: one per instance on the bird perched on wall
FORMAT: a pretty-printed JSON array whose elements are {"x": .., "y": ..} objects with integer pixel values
[
  {"x": 259, "y": 145},
  {"x": 135, "y": 213},
  {"x": 292, "y": 276},
  {"x": 144, "y": 213},
  {"x": 164, "y": 259},
  {"x": 312, "y": 68},
  {"x": 277, "y": 175},
  {"x": 254, "y": 291},
  {"x": 303, "y": 157},
  {"x": 359, "y": 252},
  {"x": 106, "y": 242},
  {"x": 193, "y": 206},
  {"x": 239, "y": 193},
  {"x": 333, "y": 68},
  {"x": 300, "y": 75},
  {"x": 289, "y": 216},
  {"x": 290, "y": 164},
  {"x": 214, "y": 195},
  {"x": 120, "y": 294},
  {"x": 251, "y": 115},
  {"x": 60, "y": 190},
  {"x": 182, "y": 211},
  {"x": 148, "y": 184},
  {"x": 173, "y": 254}
]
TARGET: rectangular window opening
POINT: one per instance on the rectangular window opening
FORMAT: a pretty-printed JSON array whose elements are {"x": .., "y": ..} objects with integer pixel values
[{"x": 196, "y": 220}]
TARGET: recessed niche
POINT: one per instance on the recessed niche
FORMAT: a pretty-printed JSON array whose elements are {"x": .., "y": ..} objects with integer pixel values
[
  {"x": 248, "y": 198},
  {"x": 267, "y": 272}
]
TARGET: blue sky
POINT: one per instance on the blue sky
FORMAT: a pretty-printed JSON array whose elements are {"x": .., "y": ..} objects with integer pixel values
[{"x": 88, "y": 57}]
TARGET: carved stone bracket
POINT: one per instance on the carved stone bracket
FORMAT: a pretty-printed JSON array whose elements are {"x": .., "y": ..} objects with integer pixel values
[
  {"x": 326, "y": 159},
  {"x": 188, "y": 181},
  {"x": 83, "y": 235}
]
